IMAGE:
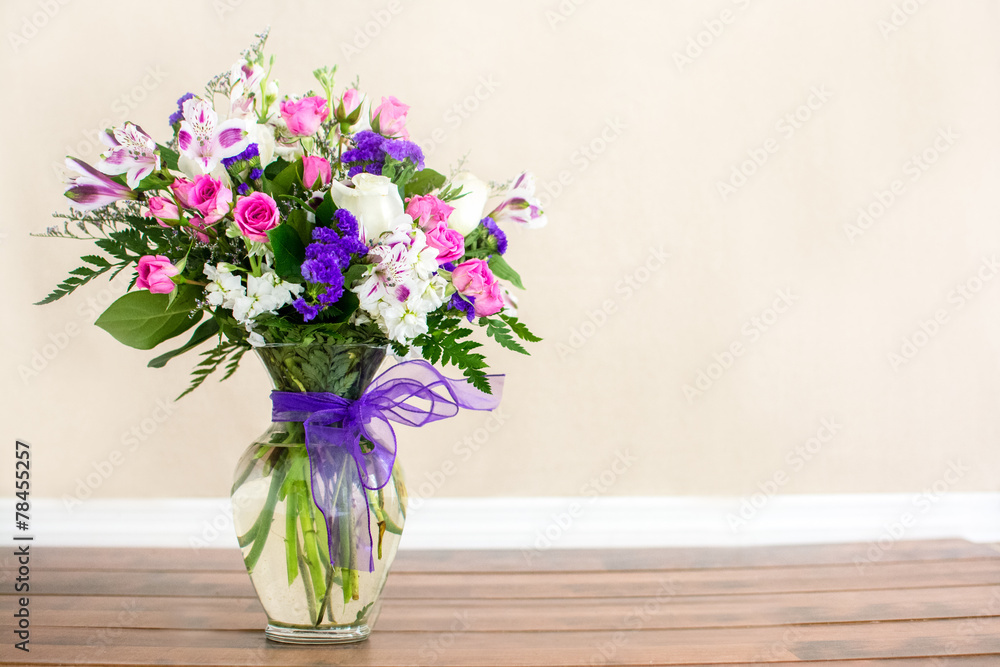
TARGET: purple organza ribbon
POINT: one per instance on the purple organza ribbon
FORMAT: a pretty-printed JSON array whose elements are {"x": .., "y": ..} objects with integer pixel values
[{"x": 411, "y": 393}]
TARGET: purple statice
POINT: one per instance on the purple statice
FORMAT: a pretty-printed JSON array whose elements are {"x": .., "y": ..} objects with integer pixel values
[
  {"x": 308, "y": 312},
  {"x": 178, "y": 115},
  {"x": 256, "y": 173},
  {"x": 327, "y": 257},
  {"x": 242, "y": 189},
  {"x": 247, "y": 155},
  {"x": 371, "y": 150},
  {"x": 400, "y": 149},
  {"x": 371, "y": 168},
  {"x": 466, "y": 305},
  {"x": 496, "y": 233}
]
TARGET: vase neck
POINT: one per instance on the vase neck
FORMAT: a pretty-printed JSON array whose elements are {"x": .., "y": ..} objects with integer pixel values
[{"x": 345, "y": 370}]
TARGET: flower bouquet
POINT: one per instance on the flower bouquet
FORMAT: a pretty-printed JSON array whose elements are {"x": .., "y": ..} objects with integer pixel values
[{"x": 306, "y": 228}]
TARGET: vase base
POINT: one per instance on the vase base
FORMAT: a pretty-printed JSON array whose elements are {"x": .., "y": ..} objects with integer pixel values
[{"x": 338, "y": 635}]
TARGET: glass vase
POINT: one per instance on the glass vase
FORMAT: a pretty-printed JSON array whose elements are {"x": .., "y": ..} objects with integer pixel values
[{"x": 282, "y": 533}]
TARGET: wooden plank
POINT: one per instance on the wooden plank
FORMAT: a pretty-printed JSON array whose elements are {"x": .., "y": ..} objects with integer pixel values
[
  {"x": 573, "y": 615},
  {"x": 642, "y": 647},
  {"x": 561, "y": 560},
  {"x": 501, "y": 585}
]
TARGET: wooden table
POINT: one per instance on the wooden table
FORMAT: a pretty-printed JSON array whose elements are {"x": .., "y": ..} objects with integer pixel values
[{"x": 808, "y": 605}]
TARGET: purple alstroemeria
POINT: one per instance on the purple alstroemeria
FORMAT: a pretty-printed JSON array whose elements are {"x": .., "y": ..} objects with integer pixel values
[
  {"x": 130, "y": 151},
  {"x": 206, "y": 141},
  {"x": 520, "y": 204},
  {"x": 92, "y": 189}
]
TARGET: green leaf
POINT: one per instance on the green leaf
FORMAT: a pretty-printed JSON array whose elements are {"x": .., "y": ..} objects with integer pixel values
[
  {"x": 211, "y": 361},
  {"x": 205, "y": 330},
  {"x": 143, "y": 320},
  {"x": 423, "y": 182},
  {"x": 299, "y": 221},
  {"x": 272, "y": 170},
  {"x": 519, "y": 329},
  {"x": 501, "y": 269},
  {"x": 342, "y": 310},
  {"x": 284, "y": 181},
  {"x": 499, "y": 331},
  {"x": 168, "y": 157},
  {"x": 154, "y": 182},
  {"x": 78, "y": 277},
  {"x": 325, "y": 211},
  {"x": 289, "y": 252}
]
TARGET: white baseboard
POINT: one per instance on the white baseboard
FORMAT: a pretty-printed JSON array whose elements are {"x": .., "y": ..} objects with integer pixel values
[{"x": 557, "y": 523}]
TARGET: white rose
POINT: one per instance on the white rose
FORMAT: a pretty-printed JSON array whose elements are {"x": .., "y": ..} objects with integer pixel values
[
  {"x": 470, "y": 206},
  {"x": 374, "y": 201}
]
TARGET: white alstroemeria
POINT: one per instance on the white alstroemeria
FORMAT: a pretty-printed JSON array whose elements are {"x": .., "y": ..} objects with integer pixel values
[
  {"x": 374, "y": 201},
  {"x": 391, "y": 268},
  {"x": 469, "y": 208},
  {"x": 206, "y": 141},
  {"x": 131, "y": 152},
  {"x": 244, "y": 82},
  {"x": 262, "y": 134},
  {"x": 520, "y": 204},
  {"x": 423, "y": 257}
]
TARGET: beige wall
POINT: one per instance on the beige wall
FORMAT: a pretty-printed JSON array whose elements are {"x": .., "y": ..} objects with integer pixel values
[{"x": 663, "y": 134}]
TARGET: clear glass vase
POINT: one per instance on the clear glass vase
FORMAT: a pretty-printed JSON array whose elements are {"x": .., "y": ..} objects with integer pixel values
[{"x": 284, "y": 536}]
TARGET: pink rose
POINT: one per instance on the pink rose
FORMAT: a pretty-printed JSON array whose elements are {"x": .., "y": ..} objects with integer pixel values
[
  {"x": 255, "y": 215},
  {"x": 164, "y": 210},
  {"x": 474, "y": 279},
  {"x": 304, "y": 117},
  {"x": 428, "y": 211},
  {"x": 209, "y": 197},
  {"x": 315, "y": 172},
  {"x": 155, "y": 272},
  {"x": 389, "y": 118},
  {"x": 348, "y": 104},
  {"x": 449, "y": 243}
]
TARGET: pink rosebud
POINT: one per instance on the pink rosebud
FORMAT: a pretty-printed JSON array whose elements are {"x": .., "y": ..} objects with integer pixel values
[
  {"x": 315, "y": 172},
  {"x": 181, "y": 187},
  {"x": 449, "y": 243},
  {"x": 389, "y": 118},
  {"x": 155, "y": 273},
  {"x": 255, "y": 215},
  {"x": 209, "y": 197},
  {"x": 198, "y": 224},
  {"x": 348, "y": 104},
  {"x": 304, "y": 117},
  {"x": 428, "y": 211},
  {"x": 164, "y": 210},
  {"x": 474, "y": 279}
]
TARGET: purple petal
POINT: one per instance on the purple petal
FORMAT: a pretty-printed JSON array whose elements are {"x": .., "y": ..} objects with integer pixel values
[
  {"x": 184, "y": 139},
  {"x": 108, "y": 139},
  {"x": 91, "y": 196}
]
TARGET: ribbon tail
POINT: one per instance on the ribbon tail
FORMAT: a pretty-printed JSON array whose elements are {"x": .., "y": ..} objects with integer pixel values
[{"x": 340, "y": 495}]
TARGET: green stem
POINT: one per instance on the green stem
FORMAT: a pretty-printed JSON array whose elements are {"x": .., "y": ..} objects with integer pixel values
[
  {"x": 262, "y": 527},
  {"x": 329, "y": 588},
  {"x": 310, "y": 596},
  {"x": 313, "y": 553}
]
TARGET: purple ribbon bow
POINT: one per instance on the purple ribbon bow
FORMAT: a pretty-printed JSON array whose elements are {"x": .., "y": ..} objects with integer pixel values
[{"x": 411, "y": 393}]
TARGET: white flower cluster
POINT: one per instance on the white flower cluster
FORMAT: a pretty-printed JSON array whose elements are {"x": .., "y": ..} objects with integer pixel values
[
  {"x": 263, "y": 294},
  {"x": 402, "y": 285}
]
